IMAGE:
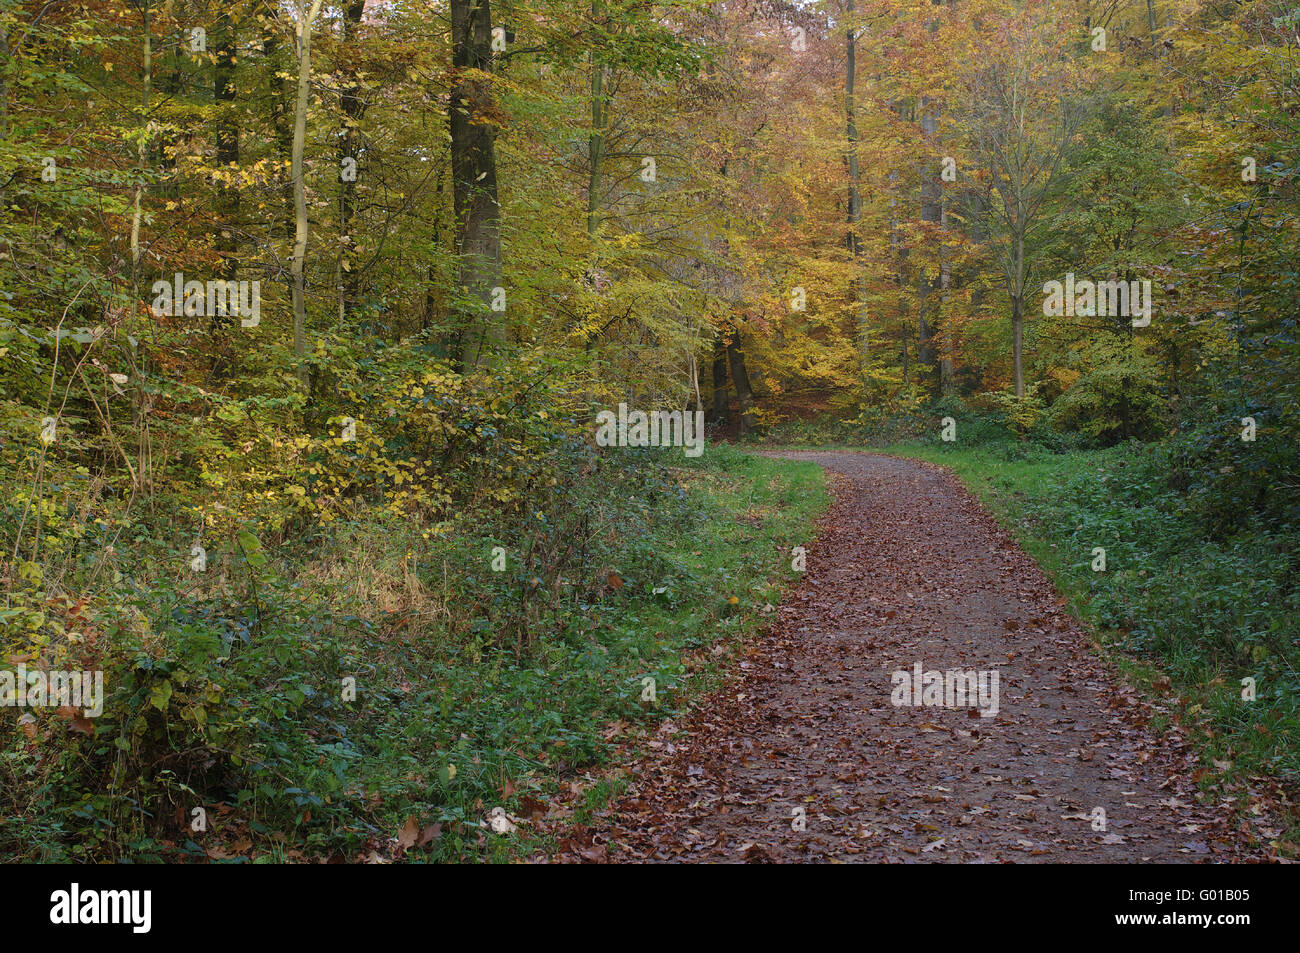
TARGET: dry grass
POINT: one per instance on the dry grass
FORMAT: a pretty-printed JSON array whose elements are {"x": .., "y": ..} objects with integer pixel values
[{"x": 366, "y": 571}]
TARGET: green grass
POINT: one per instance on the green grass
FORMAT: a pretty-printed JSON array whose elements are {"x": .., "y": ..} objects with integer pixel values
[{"x": 483, "y": 727}]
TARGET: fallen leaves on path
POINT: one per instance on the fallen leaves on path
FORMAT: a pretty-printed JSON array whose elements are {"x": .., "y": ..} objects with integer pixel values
[{"x": 803, "y": 756}]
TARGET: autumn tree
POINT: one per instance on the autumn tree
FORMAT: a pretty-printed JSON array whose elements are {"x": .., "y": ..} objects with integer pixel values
[{"x": 1022, "y": 108}]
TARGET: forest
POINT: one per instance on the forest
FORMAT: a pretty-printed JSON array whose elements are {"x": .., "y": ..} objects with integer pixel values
[{"x": 470, "y": 430}]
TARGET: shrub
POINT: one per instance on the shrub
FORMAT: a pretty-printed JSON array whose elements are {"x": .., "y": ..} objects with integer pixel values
[{"x": 1117, "y": 399}]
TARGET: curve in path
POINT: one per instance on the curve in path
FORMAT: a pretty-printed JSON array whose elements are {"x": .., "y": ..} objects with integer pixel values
[{"x": 804, "y": 755}]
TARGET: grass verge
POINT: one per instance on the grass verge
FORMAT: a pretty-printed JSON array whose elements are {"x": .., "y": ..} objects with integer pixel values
[{"x": 488, "y": 730}]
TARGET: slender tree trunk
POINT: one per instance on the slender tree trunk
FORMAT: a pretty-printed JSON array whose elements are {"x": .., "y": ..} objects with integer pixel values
[
  {"x": 859, "y": 284},
  {"x": 931, "y": 193},
  {"x": 1017, "y": 341},
  {"x": 1018, "y": 301},
  {"x": 898, "y": 253},
  {"x": 352, "y": 108},
  {"x": 139, "y": 418},
  {"x": 906, "y": 357},
  {"x": 227, "y": 134},
  {"x": 947, "y": 371},
  {"x": 432, "y": 276},
  {"x": 931, "y": 211},
  {"x": 300, "y": 194},
  {"x": 596, "y": 142},
  {"x": 5, "y": 55},
  {"x": 141, "y": 154},
  {"x": 225, "y": 237}
]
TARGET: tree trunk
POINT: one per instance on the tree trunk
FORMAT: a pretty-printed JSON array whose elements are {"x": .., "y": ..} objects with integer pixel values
[
  {"x": 1018, "y": 300},
  {"x": 744, "y": 395},
  {"x": 596, "y": 142},
  {"x": 352, "y": 107},
  {"x": 227, "y": 134},
  {"x": 859, "y": 284},
  {"x": 5, "y": 54},
  {"x": 141, "y": 151},
  {"x": 721, "y": 414},
  {"x": 279, "y": 94},
  {"x": 474, "y": 176},
  {"x": 300, "y": 194},
  {"x": 931, "y": 211},
  {"x": 1017, "y": 341},
  {"x": 947, "y": 372},
  {"x": 931, "y": 192}
]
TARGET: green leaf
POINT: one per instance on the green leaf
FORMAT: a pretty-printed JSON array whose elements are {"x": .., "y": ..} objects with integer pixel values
[{"x": 161, "y": 696}]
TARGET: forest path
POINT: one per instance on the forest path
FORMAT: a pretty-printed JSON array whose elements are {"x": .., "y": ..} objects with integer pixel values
[{"x": 909, "y": 568}]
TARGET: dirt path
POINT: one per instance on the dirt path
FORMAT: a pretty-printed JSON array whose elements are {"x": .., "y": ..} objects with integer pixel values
[{"x": 910, "y": 569}]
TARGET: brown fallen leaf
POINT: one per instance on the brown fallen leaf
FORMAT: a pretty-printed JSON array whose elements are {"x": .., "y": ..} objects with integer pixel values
[
  {"x": 409, "y": 833},
  {"x": 82, "y": 725}
]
